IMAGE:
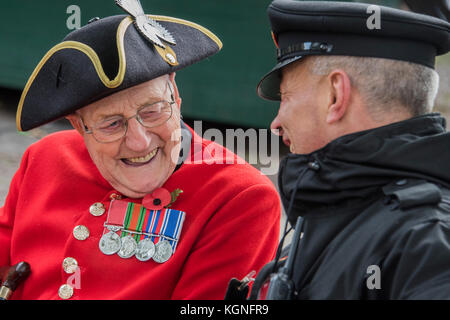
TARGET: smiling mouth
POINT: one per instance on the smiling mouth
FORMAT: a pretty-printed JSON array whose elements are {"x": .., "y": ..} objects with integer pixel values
[{"x": 140, "y": 161}]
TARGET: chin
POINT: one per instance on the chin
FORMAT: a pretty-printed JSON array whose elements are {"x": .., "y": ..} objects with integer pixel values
[
  {"x": 139, "y": 190},
  {"x": 129, "y": 193},
  {"x": 139, "y": 183},
  {"x": 132, "y": 189}
]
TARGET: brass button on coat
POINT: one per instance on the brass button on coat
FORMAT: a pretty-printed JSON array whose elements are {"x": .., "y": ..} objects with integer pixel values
[
  {"x": 97, "y": 209},
  {"x": 70, "y": 265},
  {"x": 65, "y": 292},
  {"x": 81, "y": 232}
]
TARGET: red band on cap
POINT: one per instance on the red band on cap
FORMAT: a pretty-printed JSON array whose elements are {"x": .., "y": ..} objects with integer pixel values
[{"x": 274, "y": 39}]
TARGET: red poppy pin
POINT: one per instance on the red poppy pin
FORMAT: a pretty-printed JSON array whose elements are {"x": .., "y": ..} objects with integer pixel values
[{"x": 160, "y": 198}]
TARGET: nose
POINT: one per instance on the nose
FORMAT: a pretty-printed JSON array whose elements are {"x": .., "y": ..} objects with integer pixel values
[
  {"x": 137, "y": 137},
  {"x": 275, "y": 126}
]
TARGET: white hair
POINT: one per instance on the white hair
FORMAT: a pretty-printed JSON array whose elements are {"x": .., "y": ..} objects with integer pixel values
[{"x": 384, "y": 83}]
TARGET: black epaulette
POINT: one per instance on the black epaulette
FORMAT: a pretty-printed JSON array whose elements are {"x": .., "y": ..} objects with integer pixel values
[{"x": 411, "y": 193}]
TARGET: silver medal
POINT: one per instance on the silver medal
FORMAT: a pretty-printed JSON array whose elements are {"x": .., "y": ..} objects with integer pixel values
[
  {"x": 145, "y": 249},
  {"x": 109, "y": 243},
  {"x": 128, "y": 247},
  {"x": 163, "y": 251}
]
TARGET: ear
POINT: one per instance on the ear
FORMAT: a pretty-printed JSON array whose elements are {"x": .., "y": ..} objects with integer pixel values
[
  {"x": 175, "y": 89},
  {"x": 340, "y": 87},
  {"x": 74, "y": 120}
]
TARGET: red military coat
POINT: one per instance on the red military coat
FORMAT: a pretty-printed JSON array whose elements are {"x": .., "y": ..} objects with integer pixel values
[{"x": 231, "y": 227}]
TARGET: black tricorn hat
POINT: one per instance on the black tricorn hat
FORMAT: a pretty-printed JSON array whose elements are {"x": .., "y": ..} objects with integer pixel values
[
  {"x": 302, "y": 28},
  {"x": 106, "y": 56}
]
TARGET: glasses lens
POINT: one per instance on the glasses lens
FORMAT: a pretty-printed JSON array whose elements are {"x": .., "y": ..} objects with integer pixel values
[
  {"x": 114, "y": 128},
  {"x": 155, "y": 114},
  {"x": 110, "y": 129}
]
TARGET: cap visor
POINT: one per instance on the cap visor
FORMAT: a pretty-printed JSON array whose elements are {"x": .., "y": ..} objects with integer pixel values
[{"x": 269, "y": 86}]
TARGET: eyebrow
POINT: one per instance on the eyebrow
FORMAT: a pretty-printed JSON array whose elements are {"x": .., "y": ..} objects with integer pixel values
[
  {"x": 148, "y": 101},
  {"x": 103, "y": 116}
]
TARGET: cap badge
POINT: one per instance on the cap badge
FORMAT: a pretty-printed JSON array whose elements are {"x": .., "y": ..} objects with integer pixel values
[{"x": 149, "y": 28}]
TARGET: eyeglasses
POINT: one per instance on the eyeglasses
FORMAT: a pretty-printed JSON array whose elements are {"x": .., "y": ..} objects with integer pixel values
[{"x": 115, "y": 128}]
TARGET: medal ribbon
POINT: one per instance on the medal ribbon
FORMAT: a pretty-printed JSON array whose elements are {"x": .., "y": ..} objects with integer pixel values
[
  {"x": 165, "y": 224},
  {"x": 116, "y": 213},
  {"x": 134, "y": 219}
]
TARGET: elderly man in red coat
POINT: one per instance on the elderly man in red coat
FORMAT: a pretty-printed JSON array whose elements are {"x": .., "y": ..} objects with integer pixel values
[{"x": 120, "y": 207}]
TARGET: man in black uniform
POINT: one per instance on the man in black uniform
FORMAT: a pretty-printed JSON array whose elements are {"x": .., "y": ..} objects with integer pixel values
[{"x": 369, "y": 171}]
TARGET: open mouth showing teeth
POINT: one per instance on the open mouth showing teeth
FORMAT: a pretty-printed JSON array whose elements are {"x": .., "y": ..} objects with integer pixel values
[{"x": 140, "y": 161}]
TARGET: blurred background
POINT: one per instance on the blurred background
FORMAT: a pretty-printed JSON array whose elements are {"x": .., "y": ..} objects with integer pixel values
[{"x": 220, "y": 90}]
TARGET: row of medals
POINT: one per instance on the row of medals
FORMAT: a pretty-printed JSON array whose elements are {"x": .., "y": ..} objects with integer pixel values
[{"x": 126, "y": 247}]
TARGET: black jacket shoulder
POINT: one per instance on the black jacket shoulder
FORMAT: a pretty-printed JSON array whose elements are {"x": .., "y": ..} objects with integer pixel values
[{"x": 417, "y": 265}]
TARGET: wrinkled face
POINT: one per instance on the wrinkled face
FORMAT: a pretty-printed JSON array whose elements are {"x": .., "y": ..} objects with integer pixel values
[
  {"x": 300, "y": 118},
  {"x": 142, "y": 160}
]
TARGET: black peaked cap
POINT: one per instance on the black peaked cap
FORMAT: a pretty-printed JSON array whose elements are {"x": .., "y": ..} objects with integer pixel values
[
  {"x": 302, "y": 28},
  {"x": 104, "y": 57}
]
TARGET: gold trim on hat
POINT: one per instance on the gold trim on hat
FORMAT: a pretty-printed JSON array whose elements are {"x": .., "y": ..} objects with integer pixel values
[
  {"x": 88, "y": 51},
  {"x": 211, "y": 35},
  {"x": 92, "y": 55}
]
